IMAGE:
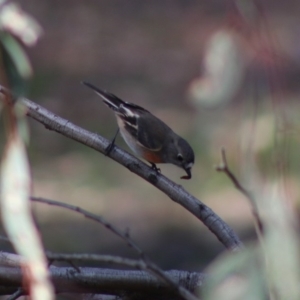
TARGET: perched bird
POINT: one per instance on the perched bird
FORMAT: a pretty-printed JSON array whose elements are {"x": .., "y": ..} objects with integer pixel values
[{"x": 146, "y": 135}]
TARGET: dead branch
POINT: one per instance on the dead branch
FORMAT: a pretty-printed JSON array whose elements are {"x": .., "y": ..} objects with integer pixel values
[
  {"x": 107, "y": 281},
  {"x": 176, "y": 192},
  {"x": 144, "y": 263},
  {"x": 223, "y": 167}
]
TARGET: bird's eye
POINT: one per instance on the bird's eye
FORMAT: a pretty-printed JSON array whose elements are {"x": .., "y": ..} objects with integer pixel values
[{"x": 179, "y": 157}]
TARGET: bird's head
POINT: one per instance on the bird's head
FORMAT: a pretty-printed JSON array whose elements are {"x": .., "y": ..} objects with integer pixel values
[{"x": 181, "y": 154}]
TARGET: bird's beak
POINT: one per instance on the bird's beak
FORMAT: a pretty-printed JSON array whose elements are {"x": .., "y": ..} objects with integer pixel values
[{"x": 189, "y": 174}]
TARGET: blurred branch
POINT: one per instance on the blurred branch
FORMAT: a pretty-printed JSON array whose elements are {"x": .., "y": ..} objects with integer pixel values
[
  {"x": 176, "y": 288},
  {"x": 176, "y": 192},
  {"x": 144, "y": 263},
  {"x": 107, "y": 281},
  {"x": 16, "y": 295},
  {"x": 133, "y": 263},
  {"x": 223, "y": 167},
  {"x": 10, "y": 259}
]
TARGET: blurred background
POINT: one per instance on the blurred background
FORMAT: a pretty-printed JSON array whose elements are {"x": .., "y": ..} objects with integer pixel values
[{"x": 219, "y": 73}]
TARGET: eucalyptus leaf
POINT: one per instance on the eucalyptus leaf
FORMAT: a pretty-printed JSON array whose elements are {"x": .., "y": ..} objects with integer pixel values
[
  {"x": 16, "y": 65},
  {"x": 17, "y": 54},
  {"x": 236, "y": 276}
]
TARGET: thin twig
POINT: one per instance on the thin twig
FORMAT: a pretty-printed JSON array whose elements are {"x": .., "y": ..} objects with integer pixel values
[
  {"x": 110, "y": 259},
  {"x": 144, "y": 263},
  {"x": 176, "y": 192},
  {"x": 94, "y": 217},
  {"x": 16, "y": 295},
  {"x": 223, "y": 167}
]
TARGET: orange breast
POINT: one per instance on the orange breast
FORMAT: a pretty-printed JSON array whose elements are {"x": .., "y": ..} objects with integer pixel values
[{"x": 151, "y": 156}]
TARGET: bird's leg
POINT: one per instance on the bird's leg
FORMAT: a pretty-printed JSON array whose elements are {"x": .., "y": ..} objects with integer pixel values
[
  {"x": 112, "y": 143},
  {"x": 155, "y": 168}
]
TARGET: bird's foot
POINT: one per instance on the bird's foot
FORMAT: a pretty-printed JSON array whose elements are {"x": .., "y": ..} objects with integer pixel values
[
  {"x": 111, "y": 145},
  {"x": 155, "y": 168},
  {"x": 109, "y": 148}
]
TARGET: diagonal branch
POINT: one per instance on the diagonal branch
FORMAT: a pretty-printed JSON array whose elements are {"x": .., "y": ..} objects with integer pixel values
[
  {"x": 176, "y": 192},
  {"x": 20, "y": 292},
  {"x": 93, "y": 217}
]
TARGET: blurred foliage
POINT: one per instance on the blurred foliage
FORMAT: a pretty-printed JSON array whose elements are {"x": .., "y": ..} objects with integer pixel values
[
  {"x": 15, "y": 174},
  {"x": 16, "y": 24},
  {"x": 237, "y": 276},
  {"x": 15, "y": 63},
  {"x": 269, "y": 269}
]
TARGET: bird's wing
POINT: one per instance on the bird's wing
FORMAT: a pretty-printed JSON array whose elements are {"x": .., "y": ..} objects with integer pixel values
[
  {"x": 137, "y": 120},
  {"x": 139, "y": 123},
  {"x": 109, "y": 99},
  {"x": 151, "y": 132}
]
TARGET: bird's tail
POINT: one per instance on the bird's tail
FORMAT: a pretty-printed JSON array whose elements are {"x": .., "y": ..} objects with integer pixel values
[{"x": 109, "y": 99}]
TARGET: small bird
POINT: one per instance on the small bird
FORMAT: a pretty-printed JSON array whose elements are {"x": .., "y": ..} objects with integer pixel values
[{"x": 146, "y": 135}]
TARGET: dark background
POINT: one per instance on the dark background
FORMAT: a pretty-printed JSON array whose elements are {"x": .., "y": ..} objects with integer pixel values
[{"x": 149, "y": 52}]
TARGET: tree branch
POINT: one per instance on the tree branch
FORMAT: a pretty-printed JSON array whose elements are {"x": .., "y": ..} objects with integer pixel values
[
  {"x": 124, "y": 236},
  {"x": 108, "y": 281},
  {"x": 16, "y": 295},
  {"x": 81, "y": 280},
  {"x": 133, "y": 263},
  {"x": 144, "y": 263},
  {"x": 223, "y": 167},
  {"x": 176, "y": 192}
]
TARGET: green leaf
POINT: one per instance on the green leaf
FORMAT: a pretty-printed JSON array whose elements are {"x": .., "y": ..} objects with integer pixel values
[
  {"x": 17, "y": 54},
  {"x": 15, "y": 62}
]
